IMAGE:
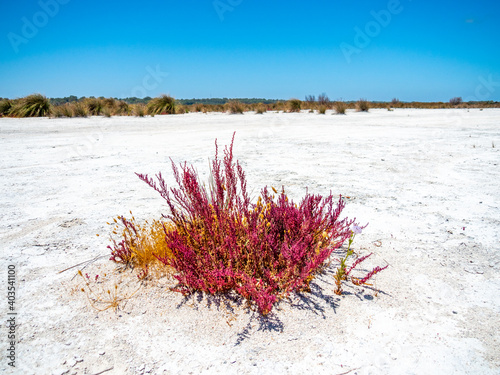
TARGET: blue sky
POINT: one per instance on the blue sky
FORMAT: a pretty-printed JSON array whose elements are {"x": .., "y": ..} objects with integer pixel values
[{"x": 412, "y": 50}]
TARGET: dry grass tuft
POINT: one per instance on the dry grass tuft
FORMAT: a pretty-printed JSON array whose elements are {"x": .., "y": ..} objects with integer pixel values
[
  {"x": 79, "y": 109},
  {"x": 140, "y": 245},
  {"x": 5, "y": 107},
  {"x": 234, "y": 107},
  {"x": 94, "y": 106},
  {"x": 64, "y": 110},
  {"x": 261, "y": 109},
  {"x": 163, "y": 104},
  {"x": 35, "y": 105},
  {"x": 362, "y": 105},
  {"x": 139, "y": 110},
  {"x": 294, "y": 105},
  {"x": 340, "y": 107}
]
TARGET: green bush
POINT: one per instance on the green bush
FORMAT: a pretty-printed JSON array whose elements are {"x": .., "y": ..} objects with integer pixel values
[
  {"x": 163, "y": 104},
  {"x": 35, "y": 105},
  {"x": 5, "y": 107}
]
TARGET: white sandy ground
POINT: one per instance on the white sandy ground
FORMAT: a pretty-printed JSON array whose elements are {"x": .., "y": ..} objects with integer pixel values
[{"x": 427, "y": 181}]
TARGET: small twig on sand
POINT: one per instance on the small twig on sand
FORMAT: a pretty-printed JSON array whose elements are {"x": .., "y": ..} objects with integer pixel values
[
  {"x": 103, "y": 371},
  {"x": 354, "y": 369},
  {"x": 87, "y": 261}
]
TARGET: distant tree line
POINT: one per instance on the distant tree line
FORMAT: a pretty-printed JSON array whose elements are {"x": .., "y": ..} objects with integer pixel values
[
  {"x": 37, "y": 105},
  {"x": 227, "y": 100},
  {"x": 147, "y": 99},
  {"x": 320, "y": 103},
  {"x": 73, "y": 98}
]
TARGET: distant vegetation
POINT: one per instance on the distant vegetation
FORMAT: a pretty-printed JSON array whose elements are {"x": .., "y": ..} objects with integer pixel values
[
  {"x": 362, "y": 105},
  {"x": 456, "y": 101},
  {"x": 37, "y": 105},
  {"x": 340, "y": 107},
  {"x": 222, "y": 101},
  {"x": 234, "y": 107},
  {"x": 163, "y": 104},
  {"x": 73, "y": 98},
  {"x": 294, "y": 105}
]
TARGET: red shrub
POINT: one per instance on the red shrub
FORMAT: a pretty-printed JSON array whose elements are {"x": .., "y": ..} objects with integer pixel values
[{"x": 221, "y": 241}]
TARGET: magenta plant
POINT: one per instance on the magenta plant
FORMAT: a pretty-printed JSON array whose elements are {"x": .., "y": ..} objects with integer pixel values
[
  {"x": 121, "y": 252},
  {"x": 221, "y": 241},
  {"x": 343, "y": 273}
]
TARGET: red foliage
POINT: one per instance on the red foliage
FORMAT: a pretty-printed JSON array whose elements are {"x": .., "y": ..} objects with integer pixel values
[
  {"x": 368, "y": 276},
  {"x": 121, "y": 252},
  {"x": 263, "y": 250}
]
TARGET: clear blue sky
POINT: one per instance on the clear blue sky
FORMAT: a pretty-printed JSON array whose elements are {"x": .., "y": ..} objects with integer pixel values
[{"x": 414, "y": 50}]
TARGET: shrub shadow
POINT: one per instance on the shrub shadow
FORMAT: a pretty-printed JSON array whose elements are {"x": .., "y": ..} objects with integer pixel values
[
  {"x": 319, "y": 300},
  {"x": 224, "y": 302},
  {"x": 269, "y": 323}
]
